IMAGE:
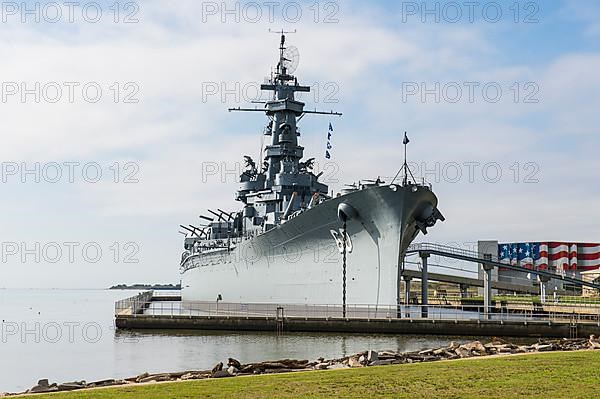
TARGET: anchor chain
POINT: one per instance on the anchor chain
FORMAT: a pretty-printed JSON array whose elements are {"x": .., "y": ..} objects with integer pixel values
[{"x": 344, "y": 270}]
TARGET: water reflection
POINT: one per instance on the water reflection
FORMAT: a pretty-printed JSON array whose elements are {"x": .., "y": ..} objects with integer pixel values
[
  {"x": 203, "y": 349},
  {"x": 28, "y": 357}
]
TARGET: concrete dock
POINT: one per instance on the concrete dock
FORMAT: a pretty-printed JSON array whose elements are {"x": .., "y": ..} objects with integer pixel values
[
  {"x": 357, "y": 325},
  {"x": 143, "y": 312}
]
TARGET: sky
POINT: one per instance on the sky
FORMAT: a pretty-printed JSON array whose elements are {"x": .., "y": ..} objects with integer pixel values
[{"x": 115, "y": 127}]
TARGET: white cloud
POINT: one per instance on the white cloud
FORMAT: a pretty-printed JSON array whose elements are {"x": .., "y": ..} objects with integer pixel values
[{"x": 171, "y": 132}]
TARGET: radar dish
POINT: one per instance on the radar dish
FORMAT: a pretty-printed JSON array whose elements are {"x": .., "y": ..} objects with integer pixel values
[{"x": 291, "y": 58}]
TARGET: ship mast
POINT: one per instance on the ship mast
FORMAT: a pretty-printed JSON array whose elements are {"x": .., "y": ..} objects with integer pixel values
[
  {"x": 289, "y": 183},
  {"x": 284, "y": 111}
]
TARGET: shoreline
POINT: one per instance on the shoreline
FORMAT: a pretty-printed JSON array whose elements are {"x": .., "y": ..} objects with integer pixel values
[
  {"x": 496, "y": 348},
  {"x": 290, "y": 372}
]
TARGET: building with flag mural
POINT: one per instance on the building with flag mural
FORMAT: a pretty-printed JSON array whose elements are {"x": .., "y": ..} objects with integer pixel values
[
  {"x": 562, "y": 257},
  {"x": 551, "y": 255}
]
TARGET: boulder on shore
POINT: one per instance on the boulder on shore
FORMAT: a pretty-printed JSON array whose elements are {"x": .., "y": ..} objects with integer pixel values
[
  {"x": 218, "y": 367},
  {"x": 372, "y": 356},
  {"x": 220, "y": 374},
  {"x": 43, "y": 386}
]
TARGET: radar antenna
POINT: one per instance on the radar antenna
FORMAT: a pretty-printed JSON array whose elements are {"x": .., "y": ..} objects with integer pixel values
[{"x": 290, "y": 59}]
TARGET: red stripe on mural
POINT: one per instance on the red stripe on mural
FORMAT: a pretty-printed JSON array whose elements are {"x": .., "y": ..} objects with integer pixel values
[
  {"x": 589, "y": 256},
  {"x": 556, "y": 256},
  {"x": 556, "y": 244}
]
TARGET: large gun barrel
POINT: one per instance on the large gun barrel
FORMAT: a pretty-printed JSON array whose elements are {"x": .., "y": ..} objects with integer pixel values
[
  {"x": 200, "y": 233},
  {"x": 188, "y": 229},
  {"x": 229, "y": 215},
  {"x": 217, "y": 215}
]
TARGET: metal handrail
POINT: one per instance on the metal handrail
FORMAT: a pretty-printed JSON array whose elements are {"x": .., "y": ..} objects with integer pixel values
[
  {"x": 333, "y": 311},
  {"x": 427, "y": 246}
]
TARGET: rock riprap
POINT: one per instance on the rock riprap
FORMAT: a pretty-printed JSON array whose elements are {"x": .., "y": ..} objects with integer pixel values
[{"x": 367, "y": 358}]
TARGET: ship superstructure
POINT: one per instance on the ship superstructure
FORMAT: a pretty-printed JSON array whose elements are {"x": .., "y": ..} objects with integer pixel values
[{"x": 289, "y": 241}]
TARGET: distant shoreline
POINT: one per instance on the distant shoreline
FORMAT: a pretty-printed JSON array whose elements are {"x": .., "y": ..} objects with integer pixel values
[{"x": 146, "y": 287}]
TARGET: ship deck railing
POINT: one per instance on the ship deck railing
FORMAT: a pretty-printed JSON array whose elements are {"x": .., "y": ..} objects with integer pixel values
[
  {"x": 416, "y": 181},
  {"x": 143, "y": 306}
]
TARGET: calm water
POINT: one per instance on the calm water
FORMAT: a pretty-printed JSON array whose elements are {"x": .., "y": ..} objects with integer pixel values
[{"x": 67, "y": 335}]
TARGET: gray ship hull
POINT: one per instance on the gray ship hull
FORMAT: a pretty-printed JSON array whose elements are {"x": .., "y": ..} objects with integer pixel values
[{"x": 300, "y": 262}]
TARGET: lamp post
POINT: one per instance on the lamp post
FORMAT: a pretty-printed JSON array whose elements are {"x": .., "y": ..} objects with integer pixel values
[{"x": 219, "y": 298}]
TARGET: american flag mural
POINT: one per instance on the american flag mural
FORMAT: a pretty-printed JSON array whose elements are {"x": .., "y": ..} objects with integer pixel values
[
  {"x": 552, "y": 255},
  {"x": 589, "y": 256}
]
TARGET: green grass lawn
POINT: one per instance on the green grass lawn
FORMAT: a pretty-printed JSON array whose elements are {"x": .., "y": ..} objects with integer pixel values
[{"x": 550, "y": 375}]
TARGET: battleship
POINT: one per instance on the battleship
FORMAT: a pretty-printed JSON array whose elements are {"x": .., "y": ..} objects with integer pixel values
[{"x": 293, "y": 242}]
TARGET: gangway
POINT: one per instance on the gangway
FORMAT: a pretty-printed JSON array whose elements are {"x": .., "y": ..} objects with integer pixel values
[{"x": 462, "y": 281}]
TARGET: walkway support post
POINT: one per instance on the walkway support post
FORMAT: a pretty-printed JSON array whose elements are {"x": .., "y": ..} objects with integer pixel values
[
  {"x": 543, "y": 287},
  {"x": 424, "y": 285},
  {"x": 464, "y": 290},
  {"x": 487, "y": 289},
  {"x": 407, "y": 281}
]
